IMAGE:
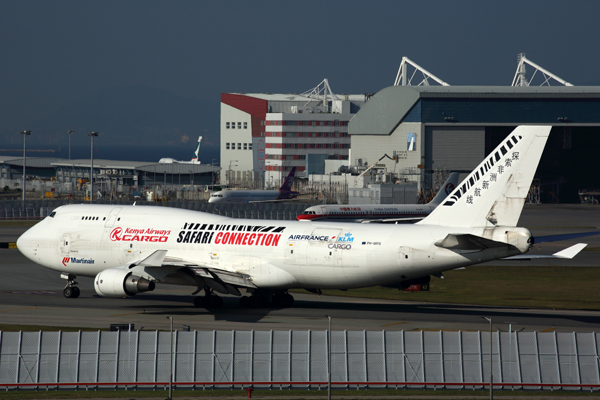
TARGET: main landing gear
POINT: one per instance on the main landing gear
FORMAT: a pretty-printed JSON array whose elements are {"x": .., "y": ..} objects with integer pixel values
[
  {"x": 70, "y": 291},
  {"x": 210, "y": 300},
  {"x": 267, "y": 299},
  {"x": 260, "y": 298}
]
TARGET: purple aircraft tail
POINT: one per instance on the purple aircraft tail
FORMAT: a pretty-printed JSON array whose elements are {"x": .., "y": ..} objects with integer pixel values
[{"x": 289, "y": 180}]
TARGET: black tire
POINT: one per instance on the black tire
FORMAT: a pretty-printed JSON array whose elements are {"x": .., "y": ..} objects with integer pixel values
[
  {"x": 289, "y": 300},
  {"x": 68, "y": 292},
  {"x": 214, "y": 302},
  {"x": 199, "y": 301},
  {"x": 245, "y": 302},
  {"x": 76, "y": 292}
]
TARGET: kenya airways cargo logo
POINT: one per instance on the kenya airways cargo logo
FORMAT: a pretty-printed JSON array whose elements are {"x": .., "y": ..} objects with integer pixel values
[{"x": 139, "y": 235}]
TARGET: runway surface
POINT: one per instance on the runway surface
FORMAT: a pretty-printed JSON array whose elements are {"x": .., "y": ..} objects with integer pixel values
[{"x": 32, "y": 295}]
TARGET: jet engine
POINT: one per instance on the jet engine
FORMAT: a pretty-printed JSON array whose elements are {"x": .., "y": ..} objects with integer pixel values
[{"x": 119, "y": 282}]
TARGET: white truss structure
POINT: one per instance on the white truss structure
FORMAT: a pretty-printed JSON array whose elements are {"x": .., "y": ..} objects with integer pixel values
[
  {"x": 520, "y": 78},
  {"x": 402, "y": 78},
  {"x": 323, "y": 92}
]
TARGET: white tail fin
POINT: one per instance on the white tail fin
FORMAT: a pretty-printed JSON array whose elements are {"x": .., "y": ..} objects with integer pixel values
[
  {"x": 494, "y": 193},
  {"x": 447, "y": 188}
]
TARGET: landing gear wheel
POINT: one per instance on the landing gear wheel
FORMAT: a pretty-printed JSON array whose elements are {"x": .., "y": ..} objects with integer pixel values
[
  {"x": 214, "y": 302},
  {"x": 68, "y": 292},
  {"x": 245, "y": 302},
  {"x": 199, "y": 301},
  {"x": 76, "y": 292}
]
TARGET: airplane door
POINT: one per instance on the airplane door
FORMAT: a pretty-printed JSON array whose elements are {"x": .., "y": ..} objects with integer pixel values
[
  {"x": 112, "y": 217},
  {"x": 65, "y": 245}
]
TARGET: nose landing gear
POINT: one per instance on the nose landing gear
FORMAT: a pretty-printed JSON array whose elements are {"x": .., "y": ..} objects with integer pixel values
[{"x": 70, "y": 291}]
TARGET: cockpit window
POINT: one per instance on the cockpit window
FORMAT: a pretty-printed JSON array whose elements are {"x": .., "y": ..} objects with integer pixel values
[{"x": 52, "y": 214}]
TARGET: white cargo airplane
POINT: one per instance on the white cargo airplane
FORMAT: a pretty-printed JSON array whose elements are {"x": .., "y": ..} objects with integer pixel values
[
  {"x": 383, "y": 213},
  {"x": 129, "y": 249}
]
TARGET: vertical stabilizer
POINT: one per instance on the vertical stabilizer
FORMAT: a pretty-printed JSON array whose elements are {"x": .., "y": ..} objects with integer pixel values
[
  {"x": 197, "y": 152},
  {"x": 494, "y": 193},
  {"x": 446, "y": 189},
  {"x": 289, "y": 181}
]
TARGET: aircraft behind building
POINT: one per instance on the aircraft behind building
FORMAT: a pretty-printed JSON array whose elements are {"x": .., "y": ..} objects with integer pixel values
[
  {"x": 194, "y": 160},
  {"x": 386, "y": 213},
  {"x": 130, "y": 249},
  {"x": 285, "y": 192}
]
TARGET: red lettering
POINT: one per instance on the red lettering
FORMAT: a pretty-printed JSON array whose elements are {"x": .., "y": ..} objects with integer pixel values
[
  {"x": 261, "y": 237},
  {"x": 244, "y": 242},
  {"x": 154, "y": 238},
  {"x": 232, "y": 238},
  {"x": 251, "y": 239},
  {"x": 269, "y": 239},
  {"x": 163, "y": 239},
  {"x": 218, "y": 238},
  {"x": 239, "y": 238},
  {"x": 127, "y": 237},
  {"x": 276, "y": 240}
]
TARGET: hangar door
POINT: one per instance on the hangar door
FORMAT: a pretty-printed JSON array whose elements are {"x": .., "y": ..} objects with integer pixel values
[{"x": 454, "y": 148}]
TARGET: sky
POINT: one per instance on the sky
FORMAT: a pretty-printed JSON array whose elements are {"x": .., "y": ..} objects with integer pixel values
[{"x": 149, "y": 74}]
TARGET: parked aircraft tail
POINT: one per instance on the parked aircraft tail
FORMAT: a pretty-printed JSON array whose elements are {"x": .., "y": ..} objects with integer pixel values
[
  {"x": 446, "y": 189},
  {"x": 494, "y": 193},
  {"x": 197, "y": 149},
  {"x": 289, "y": 181}
]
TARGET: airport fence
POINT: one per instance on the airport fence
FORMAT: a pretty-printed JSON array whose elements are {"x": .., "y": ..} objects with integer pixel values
[{"x": 299, "y": 359}]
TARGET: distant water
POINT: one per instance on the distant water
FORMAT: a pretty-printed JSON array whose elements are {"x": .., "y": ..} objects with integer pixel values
[{"x": 126, "y": 153}]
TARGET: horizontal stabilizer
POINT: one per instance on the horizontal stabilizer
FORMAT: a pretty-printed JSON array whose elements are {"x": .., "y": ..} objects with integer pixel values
[
  {"x": 567, "y": 253},
  {"x": 468, "y": 242},
  {"x": 557, "y": 238}
]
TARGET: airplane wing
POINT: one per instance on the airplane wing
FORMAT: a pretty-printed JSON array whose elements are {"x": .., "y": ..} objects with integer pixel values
[
  {"x": 567, "y": 253},
  {"x": 158, "y": 266}
]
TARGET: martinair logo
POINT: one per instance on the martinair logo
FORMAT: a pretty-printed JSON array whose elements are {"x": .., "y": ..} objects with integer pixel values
[
  {"x": 139, "y": 235},
  {"x": 74, "y": 260}
]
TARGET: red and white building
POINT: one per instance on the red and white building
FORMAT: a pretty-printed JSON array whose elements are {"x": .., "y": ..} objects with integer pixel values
[{"x": 264, "y": 135}]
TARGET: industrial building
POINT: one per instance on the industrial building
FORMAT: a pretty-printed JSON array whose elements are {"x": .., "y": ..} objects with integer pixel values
[
  {"x": 264, "y": 135},
  {"x": 435, "y": 128}
]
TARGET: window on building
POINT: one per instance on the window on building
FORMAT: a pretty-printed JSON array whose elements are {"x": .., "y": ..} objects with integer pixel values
[
  {"x": 239, "y": 146},
  {"x": 227, "y": 146},
  {"x": 245, "y": 125},
  {"x": 239, "y": 125},
  {"x": 249, "y": 146},
  {"x": 233, "y": 125},
  {"x": 226, "y": 125},
  {"x": 245, "y": 146}
]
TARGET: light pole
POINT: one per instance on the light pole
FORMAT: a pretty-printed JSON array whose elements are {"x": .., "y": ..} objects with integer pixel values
[
  {"x": 229, "y": 180},
  {"x": 69, "y": 133},
  {"x": 171, "y": 363},
  {"x": 25, "y": 134},
  {"x": 212, "y": 173},
  {"x": 329, "y": 359},
  {"x": 92, "y": 135},
  {"x": 491, "y": 365}
]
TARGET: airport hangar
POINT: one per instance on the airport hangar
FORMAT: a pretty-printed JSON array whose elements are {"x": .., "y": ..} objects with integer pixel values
[{"x": 432, "y": 128}]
